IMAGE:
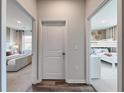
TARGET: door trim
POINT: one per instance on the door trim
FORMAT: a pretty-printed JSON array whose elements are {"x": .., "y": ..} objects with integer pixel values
[
  {"x": 3, "y": 74},
  {"x": 88, "y": 28},
  {"x": 41, "y": 40}
]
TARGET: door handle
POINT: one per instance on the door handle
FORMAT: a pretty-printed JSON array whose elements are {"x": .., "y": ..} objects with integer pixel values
[{"x": 63, "y": 54}]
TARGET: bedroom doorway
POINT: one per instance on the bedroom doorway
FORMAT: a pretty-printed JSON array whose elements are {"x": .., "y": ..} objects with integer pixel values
[
  {"x": 104, "y": 48},
  {"x": 18, "y": 48}
]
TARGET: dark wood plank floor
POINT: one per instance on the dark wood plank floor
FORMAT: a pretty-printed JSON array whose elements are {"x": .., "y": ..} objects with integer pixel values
[{"x": 60, "y": 86}]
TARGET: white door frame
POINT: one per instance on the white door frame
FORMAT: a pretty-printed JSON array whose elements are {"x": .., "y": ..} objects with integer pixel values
[
  {"x": 3, "y": 85},
  {"x": 40, "y": 54},
  {"x": 88, "y": 30},
  {"x": 35, "y": 74}
]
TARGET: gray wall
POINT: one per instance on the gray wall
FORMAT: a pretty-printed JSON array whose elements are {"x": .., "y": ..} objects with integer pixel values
[
  {"x": 30, "y": 6},
  {"x": 0, "y": 45},
  {"x": 73, "y": 12},
  {"x": 122, "y": 45},
  {"x": 91, "y": 5}
]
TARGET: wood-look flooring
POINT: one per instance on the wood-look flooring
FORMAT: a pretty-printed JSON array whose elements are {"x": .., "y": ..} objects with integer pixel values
[{"x": 60, "y": 86}]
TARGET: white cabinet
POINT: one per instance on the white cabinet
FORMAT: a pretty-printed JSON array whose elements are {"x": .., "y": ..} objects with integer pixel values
[{"x": 95, "y": 67}]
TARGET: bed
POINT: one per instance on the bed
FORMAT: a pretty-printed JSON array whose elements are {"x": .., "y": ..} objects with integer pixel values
[
  {"x": 18, "y": 61},
  {"x": 106, "y": 56},
  {"x": 111, "y": 58}
]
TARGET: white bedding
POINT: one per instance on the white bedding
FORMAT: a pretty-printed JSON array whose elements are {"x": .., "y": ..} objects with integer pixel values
[
  {"x": 106, "y": 56},
  {"x": 13, "y": 56},
  {"x": 111, "y": 59},
  {"x": 17, "y": 63},
  {"x": 11, "y": 62}
]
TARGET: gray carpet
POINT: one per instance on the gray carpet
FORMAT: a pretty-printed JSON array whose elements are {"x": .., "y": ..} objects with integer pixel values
[
  {"x": 108, "y": 81},
  {"x": 19, "y": 81}
]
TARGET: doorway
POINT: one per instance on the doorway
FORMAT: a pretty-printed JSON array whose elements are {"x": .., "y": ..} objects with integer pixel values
[
  {"x": 103, "y": 50},
  {"x": 18, "y": 48},
  {"x": 54, "y": 49}
]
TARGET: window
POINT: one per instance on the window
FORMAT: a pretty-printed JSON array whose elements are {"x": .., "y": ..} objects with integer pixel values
[{"x": 27, "y": 37}]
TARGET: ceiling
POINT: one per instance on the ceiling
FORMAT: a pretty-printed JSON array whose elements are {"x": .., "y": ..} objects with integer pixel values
[
  {"x": 17, "y": 18},
  {"x": 106, "y": 17}
]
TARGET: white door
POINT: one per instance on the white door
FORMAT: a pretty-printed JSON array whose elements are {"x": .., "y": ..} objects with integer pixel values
[{"x": 53, "y": 65}]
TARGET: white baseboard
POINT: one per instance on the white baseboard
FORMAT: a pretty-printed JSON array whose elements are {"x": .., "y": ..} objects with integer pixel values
[
  {"x": 75, "y": 81},
  {"x": 36, "y": 82},
  {"x": 67, "y": 81}
]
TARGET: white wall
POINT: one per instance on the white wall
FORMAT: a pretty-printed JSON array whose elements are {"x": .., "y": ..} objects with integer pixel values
[
  {"x": 30, "y": 6},
  {"x": 73, "y": 12}
]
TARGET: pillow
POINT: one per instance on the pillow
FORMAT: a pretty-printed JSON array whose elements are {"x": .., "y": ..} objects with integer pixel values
[
  {"x": 101, "y": 51},
  {"x": 8, "y": 53},
  {"x": 108, "y": 54}
]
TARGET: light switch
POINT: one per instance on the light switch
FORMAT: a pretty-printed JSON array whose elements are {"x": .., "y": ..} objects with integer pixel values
[
  {"x": 77, "y": 68},
  {"x": 76, "y": 47}
]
